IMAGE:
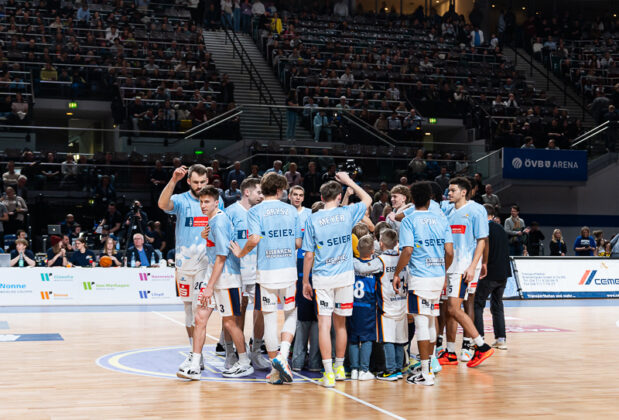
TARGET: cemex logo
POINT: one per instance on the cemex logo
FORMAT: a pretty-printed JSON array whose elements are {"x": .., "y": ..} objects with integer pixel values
[
  {"x": 45, "y": 295},
  {"x": 589, "y": 277},
  {"x": 46, "y": 276},
  {"x": 144, "y": 276},
  {"x": 88, "y": 285},
  {"x": 144, "y": 294}
]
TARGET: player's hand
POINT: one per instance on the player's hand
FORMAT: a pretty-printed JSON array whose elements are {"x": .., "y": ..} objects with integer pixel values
[
  {"x": 205, "y": 232},
  {"x": 396, "y": 284},
  {"x": 446, "y": 282},
  {"x": 391, "y": 216},
  {"x": 484, "y": 271},
  {"x": 205, "y": 295},
  {"x": 343, "y": 178},
  {"x": 179, "y": 173},
  {"x": 235, "y": 249},
  {"x": 469, "y": 275},
  {"x": 349, "y": 192},
  {"x": 308, "y": 293}
]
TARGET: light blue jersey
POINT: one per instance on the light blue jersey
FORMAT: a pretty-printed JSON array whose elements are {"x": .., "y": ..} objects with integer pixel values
[
  {"x": 468, "y": 224},
  {"x": 426, "y": 232},
  {"x": 303, "y": 215},
  {"x": 277, "y": 224},
  {"x": 328, "y": 234},
  {"x": 434, "y": 208},
  {"x": 238, "y": 216},
  {"x": 218, "y": 244}
]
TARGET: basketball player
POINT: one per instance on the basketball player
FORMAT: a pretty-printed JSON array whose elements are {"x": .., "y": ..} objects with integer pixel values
[
  {"x": 274, "y": 228},
  {"x": 222, "y": 290},
  {"x": 327, "y": 246},
  {"x": 469, "y": 230},
  {"x": 190, "y": 250},
  {"x": 237, "y": 212},
  {"x": 427, "y": 250}
]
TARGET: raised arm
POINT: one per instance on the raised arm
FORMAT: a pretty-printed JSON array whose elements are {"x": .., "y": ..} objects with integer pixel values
[{"x": 165, "y": 203}]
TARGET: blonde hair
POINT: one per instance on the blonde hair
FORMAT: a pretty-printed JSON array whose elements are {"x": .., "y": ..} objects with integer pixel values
[
  {"x": 554, "y": 232},
  {"x": 360, "y": 230}
]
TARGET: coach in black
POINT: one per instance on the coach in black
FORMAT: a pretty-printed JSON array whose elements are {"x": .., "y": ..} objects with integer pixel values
[{"x": 496, "y": 259}]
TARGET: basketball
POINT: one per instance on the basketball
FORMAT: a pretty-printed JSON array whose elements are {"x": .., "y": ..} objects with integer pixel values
[{"x": 105, "y": 261}]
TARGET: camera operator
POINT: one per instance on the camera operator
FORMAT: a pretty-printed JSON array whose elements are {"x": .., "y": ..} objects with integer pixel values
[
  {"x": 112, "y": 221},
  {"x": 136, "y": 221}
]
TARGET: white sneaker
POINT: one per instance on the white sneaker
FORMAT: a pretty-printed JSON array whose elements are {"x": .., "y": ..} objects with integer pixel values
[
  {"x": 258, "y": 361},
  {"x": 231, "y": 360},
  {"x": 354, "y": 375},
  {"x": 274, "y": 378},
  {"x": 189, "y": 369},
  {"x": 466, "y": 355},
  {"x": 238, "y": 371},
  {"x": 421, "y": 379},
  {"x": 500, "y": 344},
  {"x": 365, "y": 376}
]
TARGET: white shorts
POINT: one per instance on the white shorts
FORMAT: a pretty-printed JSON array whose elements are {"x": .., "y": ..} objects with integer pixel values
[
  {"x": 266, "y": 300},
  {"x": 472, "y": 287},
  {"x": 189, "y": 285},
  {"x": 392, "y": 330},
  {"x": 248, "y": 269},
  {"x": 338, "y": 300},
  {"x": 227, "y": 301},
  {"x": 249, "y": 290},
  {"x": 422, "y": 306},
  {"x": 456, "y": 286}
]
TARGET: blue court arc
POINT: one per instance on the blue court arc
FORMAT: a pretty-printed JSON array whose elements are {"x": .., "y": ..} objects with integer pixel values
[{"x": 163, "y": 362}]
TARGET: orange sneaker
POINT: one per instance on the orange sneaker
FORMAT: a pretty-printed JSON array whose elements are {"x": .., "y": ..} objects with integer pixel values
[
  {"x": 481, "y": 354},
  {"x": 448, "y": 359}
]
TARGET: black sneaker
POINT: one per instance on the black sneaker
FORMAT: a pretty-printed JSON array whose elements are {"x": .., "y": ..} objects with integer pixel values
[
  {"x": 420, "y": 379},
  {"x": 220, "y": 350}
]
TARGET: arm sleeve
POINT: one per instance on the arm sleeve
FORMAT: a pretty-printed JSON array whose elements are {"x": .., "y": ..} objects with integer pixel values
[{"x": 308, "y": 239}]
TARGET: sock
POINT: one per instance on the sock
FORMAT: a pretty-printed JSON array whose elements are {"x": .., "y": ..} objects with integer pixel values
[
  {"x": 284, "y": 349},
  {"x": 479, "y": 341},
  {"x": 451, "y": 347},
  {"x": 229, "y": 347},
  {"x": 425, "y": 367},
  {"x": 221, "y": 338},
  {"x": 258, "y": 342},
  {"x": 328, "y": 365},
  {"x": 195, "y": 361},
  {"x": 439, "y": 341},
  {"x": 244, "y": 359},
  {"x": 339, "y": 362}
]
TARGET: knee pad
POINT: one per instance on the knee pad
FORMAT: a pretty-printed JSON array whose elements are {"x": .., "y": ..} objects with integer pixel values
[
  {"x": 270, "y": 331},
  {"x": 432, "y": 330},
  {"x": 189, "y": 320},
  {"x": 422, "y": 327},
  {"x": 290, "y": 321}
]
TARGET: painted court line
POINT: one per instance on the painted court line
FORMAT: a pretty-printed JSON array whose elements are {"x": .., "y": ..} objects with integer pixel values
[{"x": 367, "y": 404}]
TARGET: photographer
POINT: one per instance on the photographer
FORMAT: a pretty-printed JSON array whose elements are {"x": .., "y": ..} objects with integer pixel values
[
  {"x": 111, "y": 221},
  {"x": 136, "y": 220},
  {"x": 141, "y": 253}
]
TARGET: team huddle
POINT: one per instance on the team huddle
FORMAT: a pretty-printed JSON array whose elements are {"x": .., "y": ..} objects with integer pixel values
[{"x": 410, "y": 278}]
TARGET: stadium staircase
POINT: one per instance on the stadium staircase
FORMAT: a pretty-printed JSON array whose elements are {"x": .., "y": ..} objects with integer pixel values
[{"x": 255, "y": 124}]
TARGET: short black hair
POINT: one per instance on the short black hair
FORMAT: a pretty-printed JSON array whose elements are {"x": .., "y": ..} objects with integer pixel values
[
  {"x": 462, "y": 183},
  {"x": 421, "y": 193},
  {"x": 489, "y": 209},
  {"x": 210, "y": 191}
]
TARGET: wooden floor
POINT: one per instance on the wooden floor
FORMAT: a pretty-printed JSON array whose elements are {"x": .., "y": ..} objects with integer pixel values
[{"x": 569, "y": 367}]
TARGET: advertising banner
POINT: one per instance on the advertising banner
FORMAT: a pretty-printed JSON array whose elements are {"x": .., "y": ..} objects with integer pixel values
[
  {"x": 567, "y": 277},
  {"x": 559, "y": 165},
  {"x": 87, "y": 286}
]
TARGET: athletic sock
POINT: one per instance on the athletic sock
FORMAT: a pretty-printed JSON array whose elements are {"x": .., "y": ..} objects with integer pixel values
[
  {"x": 195, "y": 361},
  {"x": 328, "y": 365},
  {"x": 451, "y": 347},
  {"x": 221, "y": 338},
  {"x": 284, "y": 349},
  {"x": 244, "y": 359},
  {"x": 425, "y": 367},
  {"x": 257, "y": 344},
  {"x": 339, "y": 362},
  {"x": 229, "y": 347},
  {"x": 479, "y": 341},
  {"x": 439, "y": 341},
  {"x": 483, "y": 348}
]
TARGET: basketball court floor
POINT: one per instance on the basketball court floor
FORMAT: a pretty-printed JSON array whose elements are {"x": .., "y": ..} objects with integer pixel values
[{"x": 120, "y": 362}]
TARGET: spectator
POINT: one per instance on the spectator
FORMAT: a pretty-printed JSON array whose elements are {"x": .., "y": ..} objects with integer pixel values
[
  {"x": 69, "y": 171},
  {"x": 21, "y": 189},
  {"x": 584, "y": 245},
  {"x": 136, "y": 219},
  {"x": 109, "y": 250},
  {"x": 19, "y": 109},
  {"x": 557, "y": 245},
  {"x": 442, "y": 179},
  {"x": 330, "y": 174},
  {"x": 492, "y": 199},
  {"x": 246, "y": 17},
  {"x": 321, "y": 125},
  {"x": 67, "y": 225},
  {"x": 417, "y": 166},
  {"x": 277, "y": 168},
  {"x": 515, "y": 228},
  {"x": 156, "y": 236},
  {"x": 292, "y": 175},
  {"x": 254, "y": 172},
  {"x": 552, "y": 145},
  {"x": 83, "y": 14},
  {"x": 4, "y": 217},
  {"x": 381, "y": 123},
  {"x": 236, "y": 174},
  {"x": 311, "y": 184},
  {"x": 21, "y": 256},
  {"x": 341, "y": 9},
  {"x": 291, "y": 115},
  {"x": 49, "y": 173},
  {"x": 528, "y": 143},
  {"x": 17, "y": 210},
  {"x": 599, "y": 106},
  {"x": 534, "y": 244},
  {"x": 600, "y": 243},
  {"x": 379, "y": 206},
  {"x": 56, "y": 254},
  {"x": 67, "y": 243},
  {"x": 82, "y": 256},
  {"x": 232, "y": 194},
  {"x": 112, "y": 221},
  {"x": 612, "y": 116},
  {"x": 104, "y": 192},
  {"x": 257, "y": 9},
  {"x": 226, "y": 13},
  {"x": 477, "y": 37},
  {"x": 400, "y": 200},
  {"x": 10, "y": 177},
  {"x": 614, "y": 247},
  {"x": 142, "y": 254},
  {"x": 48, "y": 73},
  {"x": 158, "y": 179}
]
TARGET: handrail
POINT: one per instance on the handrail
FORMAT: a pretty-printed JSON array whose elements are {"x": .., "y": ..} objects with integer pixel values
[
  {"x": 372, "y": 131},
  {"x": 212, "y": 124},
  {"x": 253, "y": 72},
  {"x": 591, "y": 133},
  {"x": 488, "y": 155}
]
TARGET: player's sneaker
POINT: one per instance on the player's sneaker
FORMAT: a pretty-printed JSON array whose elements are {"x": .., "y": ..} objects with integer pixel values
[
  {"x": 400, "y": 374},
  {"x": 500, "y": 344},
  {"x": 365, "y": 376},
  {"x": 387, "y": 376},
  {"x": 354, "y": 374},
  {"x": 231, "y": 359},
  {"x": 435, "y": 366},
  {"x": 481, "y": 354},
  {"x": 327, "y": 380},
  {"x": 258, "y": 361},
  {"x": 281, "y": 365},
  {"x": 467, "y": 351},
  {"x": 187, "y": 362},
  {"x": 189, "y": 369},
  {"x": 238, "y": 371},
  {"x": 414, "y": 366},
  {"x": 448, "y": 358},
  {"x": 421, "y": 379},
  {"x": 274, "y": 378},
  {"x": 340, "y": 373},
  {"x": 220, "y": 350}
]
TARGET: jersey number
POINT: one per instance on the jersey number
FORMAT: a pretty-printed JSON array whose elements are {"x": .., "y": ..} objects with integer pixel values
[{"x": 359, "y": 290}]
